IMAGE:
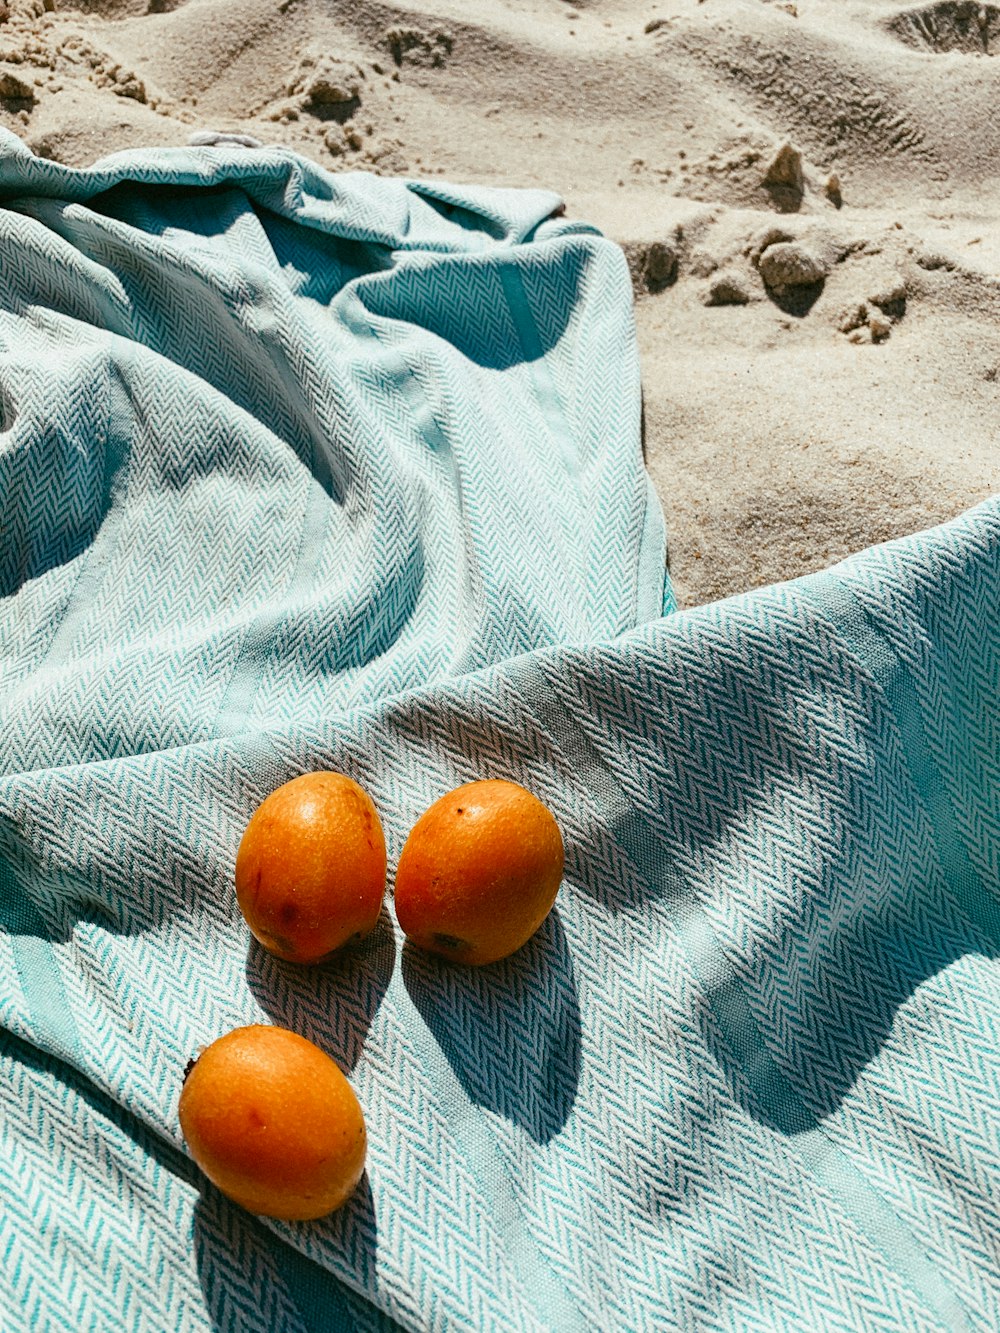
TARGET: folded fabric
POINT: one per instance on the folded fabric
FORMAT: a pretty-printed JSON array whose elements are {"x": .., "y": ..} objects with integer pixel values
[{"x": 303, "y": 471}]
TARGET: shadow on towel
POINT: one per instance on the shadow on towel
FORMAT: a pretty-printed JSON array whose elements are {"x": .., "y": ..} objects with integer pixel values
[
  {"x": 511, "y": 1030},
  {"x": 242, "y": 1262},
  {"x": 332, "y": 1004},
  {"x": 773, "y": 831}
]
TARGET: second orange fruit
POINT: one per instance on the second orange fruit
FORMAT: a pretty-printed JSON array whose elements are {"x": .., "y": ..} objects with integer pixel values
[{"x": 479, "y": 872}]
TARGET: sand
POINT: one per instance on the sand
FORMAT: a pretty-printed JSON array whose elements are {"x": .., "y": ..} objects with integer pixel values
[{"x": 808, "y": 194}]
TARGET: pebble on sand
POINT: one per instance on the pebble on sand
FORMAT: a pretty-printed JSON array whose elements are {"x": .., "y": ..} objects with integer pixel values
[
  {"x": 14, "y": 87},
  {"x": 789, "y": 264},
  {"x": 727, "y": 289}
]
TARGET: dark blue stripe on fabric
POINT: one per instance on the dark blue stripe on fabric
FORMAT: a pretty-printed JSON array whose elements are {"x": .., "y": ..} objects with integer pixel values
[{"x": 816, "y": 1147}]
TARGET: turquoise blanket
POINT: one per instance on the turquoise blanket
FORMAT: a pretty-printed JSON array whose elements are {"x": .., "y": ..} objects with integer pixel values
[{"x": 301, "y": 471}]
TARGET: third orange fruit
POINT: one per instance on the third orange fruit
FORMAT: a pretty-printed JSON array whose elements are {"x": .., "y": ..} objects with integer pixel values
[
  {"x": 273, "y": 1123},
  {"x": 479, "y": 872}
]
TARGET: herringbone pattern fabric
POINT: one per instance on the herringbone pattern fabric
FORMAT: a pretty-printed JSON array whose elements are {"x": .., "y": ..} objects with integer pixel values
[{"x": 300, "y": 471}]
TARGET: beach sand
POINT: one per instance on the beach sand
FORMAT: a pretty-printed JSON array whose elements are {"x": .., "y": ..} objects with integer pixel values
[{"x": 808, "y": 195}]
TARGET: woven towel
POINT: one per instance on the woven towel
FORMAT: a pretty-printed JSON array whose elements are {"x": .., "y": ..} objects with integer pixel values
[{"x": 302, "y": 471}]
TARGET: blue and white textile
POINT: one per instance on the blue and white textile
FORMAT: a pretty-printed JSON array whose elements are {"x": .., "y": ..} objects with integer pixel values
[{"x": 302, "y": 471}]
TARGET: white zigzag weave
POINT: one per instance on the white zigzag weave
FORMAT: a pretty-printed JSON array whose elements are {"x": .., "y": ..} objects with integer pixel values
[{"x": 302, "y": 471}]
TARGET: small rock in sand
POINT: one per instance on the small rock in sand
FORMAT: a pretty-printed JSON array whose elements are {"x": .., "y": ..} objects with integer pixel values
[
  {"x": 784, "y": 180},
  {"x": 790, "y": 264},
  {"x": 127, "y": 85},
  {"x": 786, "y": 168},
  {"x": 889, "y": 295},
  {"x": 14, "y": 87},
  {"x": 727, "y": 289},
  {"x": 330, "y": 89},
  {"x": 879, "y": 327},
  {"x": 659, "y": 267},
  {"x": 322, "y": 82},
  {"x": 770, "y": 236}
]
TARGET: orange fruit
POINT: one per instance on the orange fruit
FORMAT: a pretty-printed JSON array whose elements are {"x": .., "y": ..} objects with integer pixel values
[
  {"x": 310, "y": 870},
  {"x": 273, "y": 1123},
  {"x": 479, "y": 872}
]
